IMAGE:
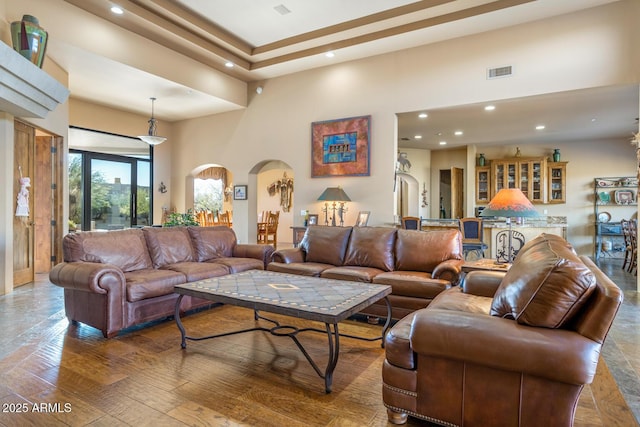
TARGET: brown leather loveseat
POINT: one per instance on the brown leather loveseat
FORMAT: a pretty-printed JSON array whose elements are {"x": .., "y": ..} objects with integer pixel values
[
  {"x": 417, "y": 265},
  {"x": 116, "y": 279},
  {"x": 504, "y": 349}
]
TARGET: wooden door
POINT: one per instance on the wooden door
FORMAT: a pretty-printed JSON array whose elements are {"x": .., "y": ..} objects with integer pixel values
[
  {"x": 457, "y": 193},
  {"x": 23, "y": 232}
]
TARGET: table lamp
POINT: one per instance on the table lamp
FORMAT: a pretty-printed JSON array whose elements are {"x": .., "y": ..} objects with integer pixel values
[
  {"x": 337, "y": 197},
  {"x": 508, "y": 203}
]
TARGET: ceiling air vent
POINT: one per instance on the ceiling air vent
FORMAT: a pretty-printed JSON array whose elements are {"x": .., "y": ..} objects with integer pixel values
[{"x": 498, "y": 72}]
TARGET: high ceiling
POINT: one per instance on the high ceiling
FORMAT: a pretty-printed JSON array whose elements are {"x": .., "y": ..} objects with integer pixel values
[{"x": 269, "y": 39}]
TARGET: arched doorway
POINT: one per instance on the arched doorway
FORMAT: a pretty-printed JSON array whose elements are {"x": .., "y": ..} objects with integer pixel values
[
  {"x": 407, "y": 195},
  {"x": 274, "y": 192}
]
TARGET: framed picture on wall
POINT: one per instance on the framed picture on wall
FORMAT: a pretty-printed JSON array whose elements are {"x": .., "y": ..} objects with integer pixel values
[
  {"x": 313, "y": 219},
  {"x": 239, "y": 192},
  {"x": 341, "y": 147},
  {"x": 363, "y": 218}
]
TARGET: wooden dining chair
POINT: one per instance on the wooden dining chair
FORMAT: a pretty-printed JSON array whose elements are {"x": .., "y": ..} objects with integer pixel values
[
  {"x": 201, "y": 217},
  {"x": 411, "y": 223},
  {"x": 472, "y": 237},
  {"x": 268, "y": 231},
  {"x": 209, "y": 219},
  {"x": 224, "y": 218}
]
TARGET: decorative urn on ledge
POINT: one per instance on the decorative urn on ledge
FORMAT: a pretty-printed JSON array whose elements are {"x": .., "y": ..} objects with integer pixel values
[{"x": 29, "y": 39}]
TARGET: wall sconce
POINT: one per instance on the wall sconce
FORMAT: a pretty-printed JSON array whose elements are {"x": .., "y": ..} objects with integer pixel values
[
  {"x": 162, "y": 188},
  {"x": 337, "y": 197}
]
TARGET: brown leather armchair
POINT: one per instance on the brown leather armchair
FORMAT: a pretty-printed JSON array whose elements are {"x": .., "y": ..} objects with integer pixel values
[{"x": 506, "y": 349}]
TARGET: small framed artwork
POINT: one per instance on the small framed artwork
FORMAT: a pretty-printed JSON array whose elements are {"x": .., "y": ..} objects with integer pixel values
[
  {"x": 239, "y": 192},
  {"x": 313, "y": 219},
  {"x": 363, "y": 219},
  {"x": 341, "y": 147}
]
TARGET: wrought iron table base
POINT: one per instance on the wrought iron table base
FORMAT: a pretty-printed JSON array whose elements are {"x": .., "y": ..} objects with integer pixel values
[{"x": 333, "y": 336}]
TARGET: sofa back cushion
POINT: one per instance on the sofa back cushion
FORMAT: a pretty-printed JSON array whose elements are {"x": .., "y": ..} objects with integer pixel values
[
  {"x": 168, "y": 245},
  {"x": 212, "y": 242},
  {"x": 126, "y": 249},
  {"x": 546, "y": 285},
  {"x": 424, "y": 250},
  {"x": 371, "y": 247},
  {"x": 324, "y": 244}
]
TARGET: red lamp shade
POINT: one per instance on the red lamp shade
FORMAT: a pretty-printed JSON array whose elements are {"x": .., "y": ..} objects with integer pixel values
[{"x": 510, "y": 202}]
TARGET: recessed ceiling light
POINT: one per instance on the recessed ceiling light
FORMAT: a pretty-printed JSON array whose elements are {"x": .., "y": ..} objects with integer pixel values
[
  {"x": 594, "y": 119},
  {"x": 443, "y": 142},
  {"x": 458, "y": 133},
  {"x": 330, "y": 54},
  {"x": 540, "y": 127},
  {"x": 228, "y": 64},
  {"x": 418, "y": 137},
  {"x": 490, "y": 108},
  {"x": 117, "y": 10},
  {"x": 423, "y": 115}
]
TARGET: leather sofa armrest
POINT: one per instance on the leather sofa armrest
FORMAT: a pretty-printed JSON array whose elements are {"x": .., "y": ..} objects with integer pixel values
[
  {"x": 89, "y": 276},
  {"x": 252, "y": 250},
  {"x": 450, "y": 270},
  {"x": 483, "y": 283},
  {"x": 288, "y": 255},
  {"x": 503, "y": 344}
]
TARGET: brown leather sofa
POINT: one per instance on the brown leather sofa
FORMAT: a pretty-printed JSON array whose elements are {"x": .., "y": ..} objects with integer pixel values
[
  {"x": 417, "y": 265},
  {"x": 504, "y": 349},
  {"x": 116, "y": 279}
]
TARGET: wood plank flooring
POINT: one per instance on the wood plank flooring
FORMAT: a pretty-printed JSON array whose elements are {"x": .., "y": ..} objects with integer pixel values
[{"x": 65, "y": 375}]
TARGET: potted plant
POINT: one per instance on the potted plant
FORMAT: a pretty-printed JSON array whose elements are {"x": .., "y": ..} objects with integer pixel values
[{"x": 181, "y": 219}]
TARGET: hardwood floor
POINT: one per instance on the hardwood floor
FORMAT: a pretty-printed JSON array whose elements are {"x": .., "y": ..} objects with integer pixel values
[{"x": 69, "y": 375}]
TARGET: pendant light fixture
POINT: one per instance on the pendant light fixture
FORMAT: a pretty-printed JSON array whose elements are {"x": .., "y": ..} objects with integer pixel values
[{"x": 151, "y": 138}]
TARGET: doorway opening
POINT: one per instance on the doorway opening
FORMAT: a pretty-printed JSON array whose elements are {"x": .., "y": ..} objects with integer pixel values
[
  {"x": 37, "y": 225},
  {"x": 451, "y": 193}
]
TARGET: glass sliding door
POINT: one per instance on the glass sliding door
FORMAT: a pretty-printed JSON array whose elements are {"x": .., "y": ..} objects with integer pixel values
[
  {"x": 110, "y": 181},
  {"x": 143, "y": 195},
  {"x": 111, "y": 193}
]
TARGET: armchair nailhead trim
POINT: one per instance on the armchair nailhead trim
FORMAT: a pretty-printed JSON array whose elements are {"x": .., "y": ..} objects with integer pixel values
[
  {"x": 401, "y": 391},
  {"x": 424, "y": 417}
]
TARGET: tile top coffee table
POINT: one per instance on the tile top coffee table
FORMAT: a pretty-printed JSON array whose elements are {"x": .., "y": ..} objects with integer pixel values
[{"x": 310, "y": 298}]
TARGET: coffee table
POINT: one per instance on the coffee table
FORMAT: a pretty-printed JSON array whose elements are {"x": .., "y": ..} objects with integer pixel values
[{"x": 310, "y": 298}]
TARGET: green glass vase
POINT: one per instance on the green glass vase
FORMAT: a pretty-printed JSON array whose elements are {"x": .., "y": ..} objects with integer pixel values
[{"x": 29, "y": 39}]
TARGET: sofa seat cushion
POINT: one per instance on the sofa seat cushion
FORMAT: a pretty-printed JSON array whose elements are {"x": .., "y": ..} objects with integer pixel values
[
  {"x": 397, "y": 345},
  {"x": 424, "y": 251},
  {"x": 144, "y": 284},
  {"x": 237, "y": 265},
  {"x": 546, "y": 285},
  {"x": 457, "y": 300},
  {"x": 325, "y": 245},
  {"x": 126, "y": 249},
  {"x": 351, "y": 273},
  {"x": 371, "y": 247},
  {"x": 417, "y": 284},
  {"x": 212, "y": 242},
  {"x": 168, "y": 245},
  {"x": 195, "y": 271},
  {"x": 312, "y": 269}
]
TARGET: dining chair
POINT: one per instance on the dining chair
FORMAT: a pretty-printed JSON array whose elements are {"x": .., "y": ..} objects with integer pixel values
[
  {"x": 268, "y": 231},
  {"x": 472, "y": 237},
  {"x": 225, "y": 218},
  {"x": 410, "y": 222}
]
